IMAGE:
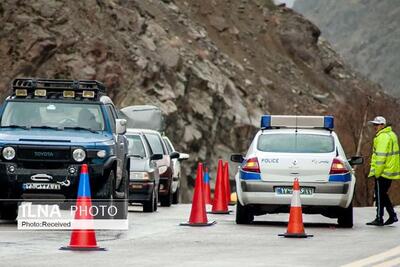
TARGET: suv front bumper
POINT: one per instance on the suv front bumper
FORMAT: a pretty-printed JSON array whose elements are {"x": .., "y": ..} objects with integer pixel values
[{"x": 14, "y": 180}]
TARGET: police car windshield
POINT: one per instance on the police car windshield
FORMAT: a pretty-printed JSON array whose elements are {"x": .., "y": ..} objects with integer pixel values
[
  {"x": 296, "y": 143},
  {"x": 53, "y": 115}
]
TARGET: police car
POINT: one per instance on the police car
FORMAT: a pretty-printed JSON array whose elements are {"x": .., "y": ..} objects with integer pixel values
[{"x": 289, "y": 147}]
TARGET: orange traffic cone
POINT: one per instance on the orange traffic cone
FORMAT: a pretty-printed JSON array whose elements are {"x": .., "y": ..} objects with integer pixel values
[
  {"x": 220, "y": 204},
  {"x": 227, "y": 183},
  {"x": 83, "y": 239},
  {"x": 207, "y": 190},
  {"x": 295, "y": 226},
  {"x": 198, "y": 215}
]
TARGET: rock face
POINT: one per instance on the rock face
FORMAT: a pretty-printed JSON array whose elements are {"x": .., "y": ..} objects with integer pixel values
[
  {"x": 365, "y": 32},
  {"x": 213, "y": 67}
]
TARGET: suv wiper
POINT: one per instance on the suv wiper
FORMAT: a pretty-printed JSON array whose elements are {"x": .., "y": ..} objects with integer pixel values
[
  {"x": 47, "y": 127},
  {"x": 16, "y": 126},
  {"x": 79, "y": 128}
]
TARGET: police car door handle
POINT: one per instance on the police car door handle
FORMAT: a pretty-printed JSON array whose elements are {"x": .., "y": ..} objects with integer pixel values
[{"x": 41, "y": 178}]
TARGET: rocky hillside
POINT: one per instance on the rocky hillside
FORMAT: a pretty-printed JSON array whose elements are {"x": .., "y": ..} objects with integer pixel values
[
  {"x": 365, "y": 32},
  {"x": 212, "y": 66}
]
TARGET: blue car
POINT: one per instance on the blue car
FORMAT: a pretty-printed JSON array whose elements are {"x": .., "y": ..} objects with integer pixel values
[{"x": 48, "y": 129}]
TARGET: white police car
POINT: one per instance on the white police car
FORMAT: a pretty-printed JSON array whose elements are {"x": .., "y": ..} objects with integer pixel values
[{"x": 288, "y": 147}]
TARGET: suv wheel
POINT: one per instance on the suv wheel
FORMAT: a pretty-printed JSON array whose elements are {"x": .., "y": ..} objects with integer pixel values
[
  {"x": 151, "y": 204},
  {"x": 9, "y": 211},
  {"x": 166, "y": 200},
  {"x": 175, "y": 196},
  {"x": 107, "y": 191},
  {"x": 244, "y": 214},
  {"x": 345, "y": 218},
  {"x": 123, "y": 195}
]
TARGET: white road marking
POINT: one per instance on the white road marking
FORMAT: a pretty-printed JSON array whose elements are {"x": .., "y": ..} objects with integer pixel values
[
  {"x": 390, "y": 263},
  {"x": 377, "y": 258}
]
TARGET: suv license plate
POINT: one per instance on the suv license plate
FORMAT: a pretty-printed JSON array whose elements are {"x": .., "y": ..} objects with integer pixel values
[
  {"x": 41, "y": 186},
  {"x": 288, "y": 190}
]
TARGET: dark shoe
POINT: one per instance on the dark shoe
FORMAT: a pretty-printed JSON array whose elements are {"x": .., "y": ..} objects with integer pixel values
[
  {"x": 391, "y": 220},
  {"x": 376, "y": 222}
]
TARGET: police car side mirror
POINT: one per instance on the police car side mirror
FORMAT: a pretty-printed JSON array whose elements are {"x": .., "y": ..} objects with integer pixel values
[
  {"x": 237, "y": 158},
  {"x": 356, "y": 160},
  {"x": 120, "y": 126}
]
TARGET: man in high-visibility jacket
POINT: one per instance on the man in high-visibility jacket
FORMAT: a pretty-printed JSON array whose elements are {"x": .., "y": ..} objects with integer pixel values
[{"x": 385, "y": 167}]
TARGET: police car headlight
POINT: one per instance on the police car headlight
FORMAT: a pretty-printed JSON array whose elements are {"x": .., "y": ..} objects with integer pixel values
[
  {"x": 79, "y": 155},
  {"x": 9, "y": 153}
]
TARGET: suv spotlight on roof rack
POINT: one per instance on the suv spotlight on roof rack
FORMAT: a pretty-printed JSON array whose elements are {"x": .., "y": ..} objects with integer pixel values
[{"x": 57, "y": 89}]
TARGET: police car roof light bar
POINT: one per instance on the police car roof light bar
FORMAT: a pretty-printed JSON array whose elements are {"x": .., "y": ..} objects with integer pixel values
[{"x": 284, "y": 121}]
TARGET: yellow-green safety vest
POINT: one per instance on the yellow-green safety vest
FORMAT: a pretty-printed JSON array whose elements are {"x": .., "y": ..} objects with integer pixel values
[{"x": 385, "y": 161}]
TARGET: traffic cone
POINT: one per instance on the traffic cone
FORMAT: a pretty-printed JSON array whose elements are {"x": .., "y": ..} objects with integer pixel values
[
  {"x": 83, "y": 239},
  {"x": 227, "y": 183},
  {"x": 207, "y": 190},
  {"x": 220, "y": 204},
  {"x": 295, "y": 227},
  {"x": 198, "y": 215}
]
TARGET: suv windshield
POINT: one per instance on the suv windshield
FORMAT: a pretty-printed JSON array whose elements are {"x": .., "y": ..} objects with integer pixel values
[
  {"x": 296, "y": 143},
  {"x": 57, "y": 115},
  {"x": 136, "y": 147}
]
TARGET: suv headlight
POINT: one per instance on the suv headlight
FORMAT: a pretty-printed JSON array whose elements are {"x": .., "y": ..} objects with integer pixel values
[
  {"x": 79, "y": 155},
  {"x": 9, "y": 153}
]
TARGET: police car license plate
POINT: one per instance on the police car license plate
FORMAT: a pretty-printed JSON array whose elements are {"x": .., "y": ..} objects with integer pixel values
[
  {"x": 41, "y": 186},
  {"x": 288, "y": 190}
]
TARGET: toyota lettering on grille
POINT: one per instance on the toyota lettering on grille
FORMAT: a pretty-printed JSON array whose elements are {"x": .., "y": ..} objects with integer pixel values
[{"x": 43, "y": 154}]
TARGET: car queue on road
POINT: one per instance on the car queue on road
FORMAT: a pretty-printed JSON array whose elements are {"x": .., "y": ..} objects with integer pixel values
[{"x": 49, "y": 128}]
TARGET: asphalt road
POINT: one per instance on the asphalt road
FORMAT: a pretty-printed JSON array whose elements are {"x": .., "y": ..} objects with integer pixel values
[{"x": 158, "y": 240}]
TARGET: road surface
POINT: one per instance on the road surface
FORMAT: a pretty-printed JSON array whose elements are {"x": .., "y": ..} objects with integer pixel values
[{"x": 158, "y": 240}]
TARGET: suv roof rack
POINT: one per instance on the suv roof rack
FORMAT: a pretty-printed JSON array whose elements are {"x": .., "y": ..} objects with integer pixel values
[
  {"x": 57, "y": 84},
  {"x": 55, "y": 88}
]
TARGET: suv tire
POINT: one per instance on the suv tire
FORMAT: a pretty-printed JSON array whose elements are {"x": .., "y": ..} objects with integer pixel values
[
  {"x": 9, "y": 211},
  {"x": 107, "y": 191},
  {"x": 244, "y": 215}
]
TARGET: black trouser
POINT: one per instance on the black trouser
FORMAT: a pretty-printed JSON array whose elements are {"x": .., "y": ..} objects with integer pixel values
[{"x": 382, "y": 186}]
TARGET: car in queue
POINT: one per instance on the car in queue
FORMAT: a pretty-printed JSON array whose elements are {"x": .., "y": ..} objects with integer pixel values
[
  {"x": 176, "y": 169},
  {"x": 144, "y": 177},
  {"x": 48, "y": 129},
  {"x": 165, "y": 165},
  {"x": 289, "y": 147}
]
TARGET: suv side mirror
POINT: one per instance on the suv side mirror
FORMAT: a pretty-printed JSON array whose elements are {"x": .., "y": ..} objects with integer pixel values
[
  {"x": 120, "y": 126},
  {"x": 237, "y": 158},
  {"x": 156, "y": 157},
  {"x": 183, "y": 156},
  {"x": 356, "y": 160},
  {"x": 174, "y": 155}
]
